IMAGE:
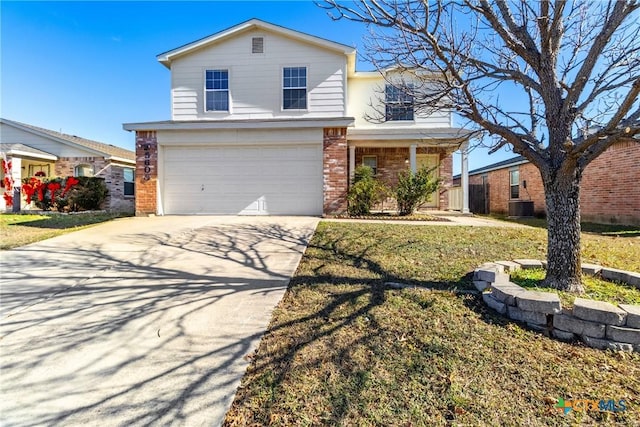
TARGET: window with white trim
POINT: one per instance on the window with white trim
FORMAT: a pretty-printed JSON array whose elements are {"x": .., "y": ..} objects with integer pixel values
[
  {"x": 372, "y": 162},
  {"x": 217, "y": 90},
  {"x": 398, "y": 103},
  {"x": 129, "y": 178},
  {"x": 83, "y": 170},
  {"x": 294, "y": 88},
  {"x": 514, "y": 184}
]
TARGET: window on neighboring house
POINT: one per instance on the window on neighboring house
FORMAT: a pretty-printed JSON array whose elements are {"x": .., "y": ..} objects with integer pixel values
[
  {"x": 294, "y": 88},
  {"x": 372, "y": 162},
  {"x": 83, "y": 170},
  {"x": 514, "y": 181},
  {"x": 129, "y": 181},
  {"x": 398, "y": 104},
  {"x": 40, "y": 170},
  {"x": 217, "y": 90}
]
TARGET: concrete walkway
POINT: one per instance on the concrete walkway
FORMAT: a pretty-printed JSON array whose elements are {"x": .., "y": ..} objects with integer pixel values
[
  {"x": 141, "y": 321},
  {"x": 448, "y": 220}
]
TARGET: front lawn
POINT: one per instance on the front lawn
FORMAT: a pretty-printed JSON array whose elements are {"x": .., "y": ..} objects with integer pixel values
[
  {"x": 21, "y": 229},
  {"x": 343, "y": 349}
]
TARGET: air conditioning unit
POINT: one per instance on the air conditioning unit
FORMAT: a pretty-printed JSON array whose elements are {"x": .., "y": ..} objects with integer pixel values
[{"x": 521, "y": 208}]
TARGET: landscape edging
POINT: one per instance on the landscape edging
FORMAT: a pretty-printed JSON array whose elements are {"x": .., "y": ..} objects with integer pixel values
[{"x": 597, "y": 324}]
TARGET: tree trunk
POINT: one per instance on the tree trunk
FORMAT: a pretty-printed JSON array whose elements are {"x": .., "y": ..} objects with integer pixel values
[{"x": 562, "y": 195}]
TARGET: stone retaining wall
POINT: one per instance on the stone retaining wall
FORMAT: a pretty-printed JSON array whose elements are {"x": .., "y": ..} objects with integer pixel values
[{"x": 598, "y": 324}]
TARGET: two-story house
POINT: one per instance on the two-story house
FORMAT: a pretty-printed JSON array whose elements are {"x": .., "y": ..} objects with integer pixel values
[{"x": 270, "y": 121}]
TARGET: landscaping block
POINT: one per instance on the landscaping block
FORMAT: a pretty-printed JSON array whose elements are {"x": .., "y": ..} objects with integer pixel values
[
  {"x": 599, "y": 312},
  {"x": 528, "y": 264},
  {"x": 506, "y": 292},
  {"x": 580, "y": 327},
  {"x": 480, "y": 285},
  {"x": 494, "y": 303},
  {"x": 538, "y": 328},
  {"x": 633, "y": 315},
  {"x": 620, "y": 334},
  {"x": 489, "y": 266},
  {"x": 544, "y": 302},
  {"x": 515, "y": 313},
  {"x": 509, "y": 265},
  {"x": 563, "y": 335},
  {"x": 491, "y": 274},
  {"x": 607, "y": 344},
  {"x": 591, "y": 269},
  {"x": 629, "y": 277}
]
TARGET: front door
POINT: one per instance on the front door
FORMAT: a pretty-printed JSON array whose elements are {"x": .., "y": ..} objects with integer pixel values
[{"x": 430, "y": 161}]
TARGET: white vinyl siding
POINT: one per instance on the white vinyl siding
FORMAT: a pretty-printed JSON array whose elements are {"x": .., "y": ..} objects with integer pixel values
[
  {"x": 255, "y": 82},
  {"x": 11, "y": 135},
  {"x": 366, "y": 104}
]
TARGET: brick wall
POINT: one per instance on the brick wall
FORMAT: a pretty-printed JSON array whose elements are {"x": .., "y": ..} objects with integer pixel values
[
  {"x": 113, "y": 178},
  {"x": 146, "y": 172},
  {"x": 335, "y": 170},
  {"x": 609, "y": 190},
  {"x": 392, "y": 160}
]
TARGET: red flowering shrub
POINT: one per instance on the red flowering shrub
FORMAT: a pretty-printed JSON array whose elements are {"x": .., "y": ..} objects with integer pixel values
[
  {"x": 72, "y": 193},
  {"x": 7, "y": 182}
]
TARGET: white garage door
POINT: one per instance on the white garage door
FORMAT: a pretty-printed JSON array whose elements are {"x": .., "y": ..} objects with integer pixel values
[{"x": 246, "y": 180}]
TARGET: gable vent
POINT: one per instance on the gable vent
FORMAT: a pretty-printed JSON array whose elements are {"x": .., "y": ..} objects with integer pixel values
[{"x": 257, "y": 45}]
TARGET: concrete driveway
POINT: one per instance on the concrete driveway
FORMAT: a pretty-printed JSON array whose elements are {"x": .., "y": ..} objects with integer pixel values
[{"x": 141, "y": 321}]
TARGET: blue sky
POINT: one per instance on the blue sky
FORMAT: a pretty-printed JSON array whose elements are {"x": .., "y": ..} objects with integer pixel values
[{"x": 84, "y": 68}]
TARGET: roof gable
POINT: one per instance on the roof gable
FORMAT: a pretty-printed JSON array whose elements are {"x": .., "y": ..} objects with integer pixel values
[
  {"x": 104, "y": 150},
  {"x": 166, "y": 58}
]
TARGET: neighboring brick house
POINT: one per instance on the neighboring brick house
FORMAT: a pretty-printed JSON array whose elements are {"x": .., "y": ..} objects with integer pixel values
[
  {"x": 609, "y": 191},
  {"x": 34, "y": 150},
  {"x": 270, "y": 121}
]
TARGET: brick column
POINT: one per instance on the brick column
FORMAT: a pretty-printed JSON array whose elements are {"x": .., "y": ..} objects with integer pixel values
[
  {"x": 335, "y": 171},
  {"x": 146, "y": 172}
]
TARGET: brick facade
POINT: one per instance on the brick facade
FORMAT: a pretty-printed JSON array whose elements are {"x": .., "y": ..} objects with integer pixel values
[
  {"x": 609, "y": 190},
  {"x": 392, "y": 160},
  {"x": 335, "y": 169},
  {"x": 113, "y": 176},
  {"x": 146, "y": 173}
]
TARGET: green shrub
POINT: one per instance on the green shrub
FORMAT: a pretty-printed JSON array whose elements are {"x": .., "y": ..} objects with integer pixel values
[
  {"x": 362, "y": 193},
  {"x": 88, "y": 195},
  {"x": 414, "y": 189}
]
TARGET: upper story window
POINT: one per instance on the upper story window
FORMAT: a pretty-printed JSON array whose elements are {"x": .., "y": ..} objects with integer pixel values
[
  {"x": 398, "y": 104},
  {"x": 514, "y": 184},
  {"x": 294, "y": 88},
  {"x": 217, "y": 90},
  {"x": 129, "y": 181}
]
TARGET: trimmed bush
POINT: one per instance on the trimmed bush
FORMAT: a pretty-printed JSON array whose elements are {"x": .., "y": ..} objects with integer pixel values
[
  {"x": 414, "y": 189},
  {"x": 362, "y": 193}
]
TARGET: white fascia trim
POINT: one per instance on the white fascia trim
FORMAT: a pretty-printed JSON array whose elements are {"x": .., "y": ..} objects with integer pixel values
[
  {"x": 242, "y": 124},
  {"x": 22, "y": 154},
  {"x": 116, "y": 159}
]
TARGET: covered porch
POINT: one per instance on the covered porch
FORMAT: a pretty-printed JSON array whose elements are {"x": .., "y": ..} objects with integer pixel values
[
  {"x": 391, "y": 151},
  {"x": 25, "y": 162}
]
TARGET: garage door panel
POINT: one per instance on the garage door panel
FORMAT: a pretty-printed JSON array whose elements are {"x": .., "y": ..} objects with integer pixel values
[{"x": 275, "y": 180}]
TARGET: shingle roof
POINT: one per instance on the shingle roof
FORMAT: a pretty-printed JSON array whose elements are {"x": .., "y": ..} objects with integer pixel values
[
  {"x": 498, "y": 165},
  {"x": 107, "y": 149}
]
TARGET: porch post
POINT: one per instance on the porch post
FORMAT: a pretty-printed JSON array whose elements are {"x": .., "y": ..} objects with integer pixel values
[
  {"x": 352, "y": 162},
  {"x": 16, "y": 174},
  {"x": 412, "y": 158},
  {"x": 464, "y": 176}
]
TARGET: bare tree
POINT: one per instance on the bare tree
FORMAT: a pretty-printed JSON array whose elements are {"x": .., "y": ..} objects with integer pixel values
[{"x": 572, "y": 68}]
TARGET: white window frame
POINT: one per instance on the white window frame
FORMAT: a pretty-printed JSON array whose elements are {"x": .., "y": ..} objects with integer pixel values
[
  {"x": 124, "y": 181},
  {"x": 306, "y": 91},
  {"x": 512, "y": 172},
  {"x": 227, "y": 90},
  {"x": 83, "y": 165}
]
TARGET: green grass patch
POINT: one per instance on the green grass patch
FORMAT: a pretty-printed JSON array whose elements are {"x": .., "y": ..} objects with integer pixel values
[
  {"x": 21, "y": 229},
  {"x": 596, "y": 288},
  {"x": 342, "y": 349}
]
